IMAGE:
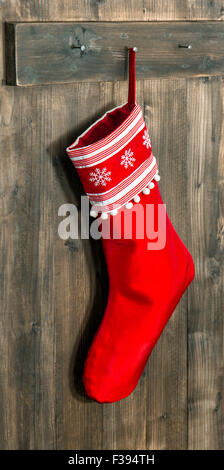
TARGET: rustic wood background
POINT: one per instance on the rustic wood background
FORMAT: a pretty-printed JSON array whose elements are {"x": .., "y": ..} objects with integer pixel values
[{"x": 53, "y": 292}]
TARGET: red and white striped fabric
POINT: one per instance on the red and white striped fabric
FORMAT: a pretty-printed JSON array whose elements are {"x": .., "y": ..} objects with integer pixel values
[{"x": 114, "y": 157}]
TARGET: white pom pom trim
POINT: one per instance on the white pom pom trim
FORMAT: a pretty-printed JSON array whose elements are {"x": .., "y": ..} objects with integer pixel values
[
  {"x": 151, "y": 185},
  {"x": 114, "y": 212},
  {"x": 93, "y": 213},
  {"x": 157, "y": 177},
  {"x": 104, "y": 216},
  {"x": 129, "y": 205},
  {"x": 137, "y": 198},
  {"x": 146, "y": 191}
]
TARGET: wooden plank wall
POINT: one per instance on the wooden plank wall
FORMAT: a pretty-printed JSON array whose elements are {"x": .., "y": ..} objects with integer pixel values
[{"x": 53, "y": 292}]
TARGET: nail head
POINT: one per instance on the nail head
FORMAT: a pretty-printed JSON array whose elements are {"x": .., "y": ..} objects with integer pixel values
[{"x": 186, "y": 46}]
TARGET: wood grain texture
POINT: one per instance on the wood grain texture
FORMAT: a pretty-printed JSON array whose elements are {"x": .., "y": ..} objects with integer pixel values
[
  {"x": 42, "y": 53},
  {"x": 28, "y": 303},
  {"x": 102, "y": 10},
  {"x": 206, "y": 239},
  {"x": 53, "y": 292}
]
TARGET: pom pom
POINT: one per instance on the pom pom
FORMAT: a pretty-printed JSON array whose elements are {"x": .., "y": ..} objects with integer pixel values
[
  {"x": 104, "y": 216},
  {"x": 151, "y": 185},
  {"x": 129, "y": 205},
  {"x": 114, "y": 212},
  {"x": 93, "y": 213},
  {"x": 137, "y": 198},
  {"x": 156, "y": 177},
  {"x": 146, "y": 191}
]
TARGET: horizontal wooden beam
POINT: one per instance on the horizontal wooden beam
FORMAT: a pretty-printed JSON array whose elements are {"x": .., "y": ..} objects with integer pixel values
[{"x": 45, "y": 53}]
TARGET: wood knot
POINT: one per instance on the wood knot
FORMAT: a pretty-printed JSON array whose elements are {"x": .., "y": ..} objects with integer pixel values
[
  {"x": 35, "y": 328},
  {"x": 72, "y": 245}
]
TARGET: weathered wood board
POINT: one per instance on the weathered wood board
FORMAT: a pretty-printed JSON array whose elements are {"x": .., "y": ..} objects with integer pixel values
[{"x": 42, "y": 53}]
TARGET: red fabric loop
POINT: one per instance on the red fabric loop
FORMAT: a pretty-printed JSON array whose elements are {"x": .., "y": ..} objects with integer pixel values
[{"x": 131, "y": 91}]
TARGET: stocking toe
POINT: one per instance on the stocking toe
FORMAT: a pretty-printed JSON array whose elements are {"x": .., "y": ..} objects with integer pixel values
[{"x": 105, "y": 387}]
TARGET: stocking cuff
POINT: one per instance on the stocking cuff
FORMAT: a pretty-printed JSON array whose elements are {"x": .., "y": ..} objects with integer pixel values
[{"x": 114, "y": 159}]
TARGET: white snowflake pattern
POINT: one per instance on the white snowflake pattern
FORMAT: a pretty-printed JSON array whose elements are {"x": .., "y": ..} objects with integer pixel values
[
  {"x": 100, "y": 177},
  {"x": 146, "y": 140},
  {"x": 127, "y": 159}
]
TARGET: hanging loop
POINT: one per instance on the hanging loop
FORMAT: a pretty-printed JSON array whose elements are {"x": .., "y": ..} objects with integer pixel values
[{"x": 131, "y": 89}]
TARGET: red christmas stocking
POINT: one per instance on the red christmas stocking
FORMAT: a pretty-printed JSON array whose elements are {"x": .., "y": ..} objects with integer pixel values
[{"x": 119, "y": 173}]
